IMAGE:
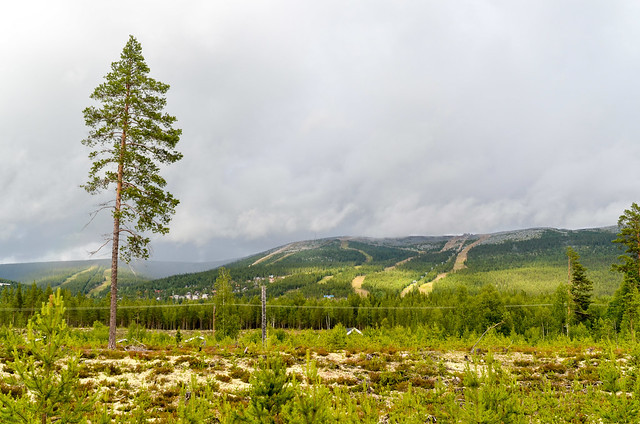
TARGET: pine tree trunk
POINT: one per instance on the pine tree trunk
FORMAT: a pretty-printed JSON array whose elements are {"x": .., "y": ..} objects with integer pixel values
[
  {"x": 114, "y": 265},
  {"x": 568, "y": 295},
  {"x": 116, "y": 239}
]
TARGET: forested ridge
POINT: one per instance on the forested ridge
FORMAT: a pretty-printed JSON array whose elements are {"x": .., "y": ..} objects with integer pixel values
[
  {"x": 399, "y": 334},
  {"x": 309, "y": 286}
]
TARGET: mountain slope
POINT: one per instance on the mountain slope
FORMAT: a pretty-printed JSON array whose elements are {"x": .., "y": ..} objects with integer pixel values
[
  {"x": 532, "y": 260},
  {"x": 87, "y": 276}
]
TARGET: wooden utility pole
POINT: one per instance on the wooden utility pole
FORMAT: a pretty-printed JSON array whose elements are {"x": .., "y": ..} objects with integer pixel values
[
  {"x": 264, "y": 315},
  {"x": 568, "y": 293}
]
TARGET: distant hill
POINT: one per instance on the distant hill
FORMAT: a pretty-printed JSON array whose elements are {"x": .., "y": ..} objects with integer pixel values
[
  {"x": 92, "y": 275},
  {"x": 531, "y": 260}
]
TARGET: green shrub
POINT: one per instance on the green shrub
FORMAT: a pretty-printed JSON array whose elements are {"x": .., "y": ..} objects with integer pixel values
[
  {"x": 271, "y": 389},
  {"x": 49, "y": 392},
  {"x": 100, "y": 331}
]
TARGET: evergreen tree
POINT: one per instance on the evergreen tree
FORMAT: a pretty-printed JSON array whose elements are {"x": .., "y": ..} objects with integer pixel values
[
  {"x": 48, "y": 373},
  {"x": 631, "y": 315},
  {"x": 629, "y": 238},
  {"x": 130, "y": 136},
  {"x": 227, "y": 321},
  {"x": 629, "y": 264},
  {"x": 559, "y": 308},
  {"x": 580, "y": 288},
  {"x": 271, "y": 389}
]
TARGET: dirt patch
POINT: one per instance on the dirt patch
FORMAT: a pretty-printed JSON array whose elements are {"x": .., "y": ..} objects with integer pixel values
[
  {"x": 357, "y": 286},
  {"x": 325, "y": 279},
  {"x": 455, "y": 243},
  {"x": 272, "y": 254},
  {"x": 344, "y": 244},
  {"x": 462, "y": 256},
  {"x": 392, "y": 267}
]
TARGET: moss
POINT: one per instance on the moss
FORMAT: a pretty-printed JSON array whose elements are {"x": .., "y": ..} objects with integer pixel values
[
  {"x": 15, "y": 391},
  {"x": 552, "y": 368},
  {"x": 240, "y": 374},
  {"x": 223, "y": 377},
  {"x": 523, "y": 363}
]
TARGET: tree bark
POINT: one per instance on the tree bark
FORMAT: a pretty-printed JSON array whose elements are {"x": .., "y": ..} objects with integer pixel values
[
  {"x": 568, "y": 294},
  {"x": 114, "y": 264},
  {"x": 116, "y": 237},
  {"x": 638, "y": 247}
]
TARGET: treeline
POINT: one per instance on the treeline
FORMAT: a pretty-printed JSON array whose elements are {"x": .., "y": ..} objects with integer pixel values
[
  {"x": 328, "y": 257},
  {"x": 383, "y": 254},
  {"x": 316, "y": 297},
  {"x": 448, "y": 312}
]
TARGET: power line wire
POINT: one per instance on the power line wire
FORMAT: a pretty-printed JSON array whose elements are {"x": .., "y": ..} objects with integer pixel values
[{"x": 275, "y": 306}]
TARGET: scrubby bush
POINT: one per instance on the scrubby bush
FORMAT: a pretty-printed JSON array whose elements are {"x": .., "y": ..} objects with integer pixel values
[
  {"x": 271, "y": 389},
  {"x": 50, "y": 392}
]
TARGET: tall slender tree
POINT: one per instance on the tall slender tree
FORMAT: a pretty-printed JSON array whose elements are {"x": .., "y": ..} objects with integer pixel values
[{"x": 131, "y": 136}]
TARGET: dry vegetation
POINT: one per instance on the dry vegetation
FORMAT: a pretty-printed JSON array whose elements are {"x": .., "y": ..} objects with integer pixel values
[{"x": 161, "y": 379}]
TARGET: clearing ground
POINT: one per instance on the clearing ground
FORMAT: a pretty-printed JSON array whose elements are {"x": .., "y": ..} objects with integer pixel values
[
  {"x": 357, "y": 286},
  {"x": 457, "y": 266},
  {"x": 356, "y": 283},
  {"x": 462, "y": 256},
  {"x": 344, "y": 244},
  {"x": 77, "y": 274},
  {"x": 325, "y": 279},
  {"x": 455, "y": 243},
  {"x": 272, "y": 254},
  {"x": 167, "y": 374},
  {"x": 392, "y": 267},
  {"x": 105, "y": 283}
]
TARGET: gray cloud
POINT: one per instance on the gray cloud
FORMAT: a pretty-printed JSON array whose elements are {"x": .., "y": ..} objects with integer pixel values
[{"x": 308, "y": 120}]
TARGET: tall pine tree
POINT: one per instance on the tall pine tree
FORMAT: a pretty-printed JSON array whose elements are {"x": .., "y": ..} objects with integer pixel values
[{"x": 131, "y": 136}]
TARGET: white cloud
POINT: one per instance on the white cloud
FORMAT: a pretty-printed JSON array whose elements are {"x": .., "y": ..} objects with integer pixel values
[{"x": 316, "y": 119}]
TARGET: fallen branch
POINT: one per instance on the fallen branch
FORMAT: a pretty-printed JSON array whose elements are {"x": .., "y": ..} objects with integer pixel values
[{"x": 485, "y": 332}]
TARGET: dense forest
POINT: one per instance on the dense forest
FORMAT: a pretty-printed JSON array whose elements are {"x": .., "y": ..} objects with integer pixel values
[{"x": 516, "y": 279}]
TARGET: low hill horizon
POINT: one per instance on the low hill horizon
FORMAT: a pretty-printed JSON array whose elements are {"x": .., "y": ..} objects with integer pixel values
[
  {"x": 531, "y": 259},
  {"x": 87, "y": 275}
]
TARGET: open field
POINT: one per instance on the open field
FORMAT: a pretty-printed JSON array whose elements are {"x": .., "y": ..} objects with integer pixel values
[
  {"x": 380, "y": 376},
  {"x": 418, "y": 358}
]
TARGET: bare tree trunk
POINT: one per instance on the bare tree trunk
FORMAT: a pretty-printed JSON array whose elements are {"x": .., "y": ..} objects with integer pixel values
[
  {"x": 114, "y": 266},
  {"x": 264, "y": 315},
  {"x": 638, "y": 245},
  {"x": 568, "y": 294},
  {"x": 116, "y": 239},
  {"x": 473, "y": 349}
]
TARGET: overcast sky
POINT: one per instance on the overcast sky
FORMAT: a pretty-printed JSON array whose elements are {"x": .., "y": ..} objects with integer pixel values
[{"x": 304, "y": 119}]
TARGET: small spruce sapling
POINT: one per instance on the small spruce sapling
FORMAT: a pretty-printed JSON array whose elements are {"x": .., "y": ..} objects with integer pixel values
[
  {"x": 48, "y": 371},
  {"x": 311, "y": 405},
  {"x": 271, "y": 389}
]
